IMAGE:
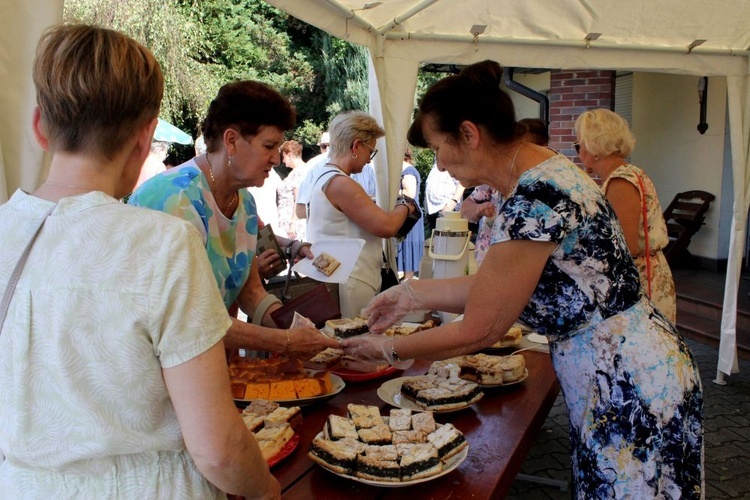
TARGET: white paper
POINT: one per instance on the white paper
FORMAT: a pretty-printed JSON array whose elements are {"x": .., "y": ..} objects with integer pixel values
[{"x": 345, "y": 250}]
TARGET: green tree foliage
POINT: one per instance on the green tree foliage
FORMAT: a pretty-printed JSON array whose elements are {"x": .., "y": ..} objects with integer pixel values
[
  {"x": 174, "y": 40},
  {"x": 202, "y": 44}
]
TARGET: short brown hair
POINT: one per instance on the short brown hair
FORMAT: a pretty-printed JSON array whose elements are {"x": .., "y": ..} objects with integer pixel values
[
  {"x": 291, "y": 147},
  {"x": 94, "y": 87},
  {"x": 246, "y": 105}
]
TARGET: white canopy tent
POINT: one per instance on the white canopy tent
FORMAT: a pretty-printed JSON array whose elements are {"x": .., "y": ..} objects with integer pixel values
[
  {"x": 695, "y": 37},
  {"x": 703, "y": 38}
]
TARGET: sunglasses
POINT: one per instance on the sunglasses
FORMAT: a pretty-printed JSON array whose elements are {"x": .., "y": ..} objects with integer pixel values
[
  {"x": 373, "y": 151},
  {"x": 577, "y": 145}
]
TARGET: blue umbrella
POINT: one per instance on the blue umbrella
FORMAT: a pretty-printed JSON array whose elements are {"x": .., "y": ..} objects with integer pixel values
[{"x": 166, "y": 132}]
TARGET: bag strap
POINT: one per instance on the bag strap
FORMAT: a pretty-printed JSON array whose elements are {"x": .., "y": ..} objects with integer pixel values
[
  {"x": 645, "y": 232},
  {"x": 10, "y": 288}
]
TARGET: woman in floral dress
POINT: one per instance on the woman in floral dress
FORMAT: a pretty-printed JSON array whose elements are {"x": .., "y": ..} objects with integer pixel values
[
  {"x": 559, "y": 264},
  {"x": 604, "y": 143}
]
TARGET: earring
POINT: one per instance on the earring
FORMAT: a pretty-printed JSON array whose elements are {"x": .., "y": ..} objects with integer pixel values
[
  {"x": 596, "y": 157},
  {"x": 229, "y": 163},
  {"x": 354, "y": 155}
]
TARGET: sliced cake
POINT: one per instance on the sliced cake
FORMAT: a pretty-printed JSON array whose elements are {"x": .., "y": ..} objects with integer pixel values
[
  {"x": 377, "y": 434},
  {"x": 338, "y": 427},
  {"x": 339, "y": 456},
  {"x": 448, "y": 441},
  {"x": 418, "y": 460},
  {"x": 423, "y": 422},
  {"x": 364, "y": 416},
  {"x": 400, "y": 419},
  {"x": 376, "y": 469},
  {"x": 344, "y": 328},
  {"x": 513, "y": 368}
]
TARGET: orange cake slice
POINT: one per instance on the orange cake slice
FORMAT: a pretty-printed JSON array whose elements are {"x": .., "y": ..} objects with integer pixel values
[
  {"x": 257, "y": 390},
  {"x": 282, "y": 389},
  {"x": 309, "y": 388}
]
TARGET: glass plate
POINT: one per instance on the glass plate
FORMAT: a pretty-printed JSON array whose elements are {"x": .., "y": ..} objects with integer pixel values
[{"x": 390, "y": 392}]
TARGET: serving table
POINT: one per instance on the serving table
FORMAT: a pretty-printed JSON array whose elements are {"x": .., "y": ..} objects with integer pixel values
[{"x": 500, "y": 428}]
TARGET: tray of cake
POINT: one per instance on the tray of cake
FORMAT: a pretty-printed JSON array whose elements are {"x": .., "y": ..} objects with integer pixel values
[
  {"x": 284, "y": 381},
  {"x": 402, "y": 449},
  {"x": 274, "y": 428}
]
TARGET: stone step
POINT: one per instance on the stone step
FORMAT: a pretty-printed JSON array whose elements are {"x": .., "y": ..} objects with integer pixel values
[
  {"x": 699, "y": 321},
  {"x": 709, "y": 310}
]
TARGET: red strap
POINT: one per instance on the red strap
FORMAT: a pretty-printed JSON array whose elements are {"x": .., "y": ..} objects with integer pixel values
[{"x": 645, "y": 232}]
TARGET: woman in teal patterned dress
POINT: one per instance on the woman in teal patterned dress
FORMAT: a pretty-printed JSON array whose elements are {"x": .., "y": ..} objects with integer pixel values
[
  {"x": 558, "y": 262},
  {"x": 243, "y": 130}
]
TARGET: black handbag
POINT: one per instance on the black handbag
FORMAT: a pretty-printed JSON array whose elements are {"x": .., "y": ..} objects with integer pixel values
[
  {"x": 388, "y": 277},
  {"x": 411, "y": 219}
]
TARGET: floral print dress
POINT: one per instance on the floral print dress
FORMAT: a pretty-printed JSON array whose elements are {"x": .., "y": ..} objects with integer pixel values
[
  {"x": 661, "y": 290},
  {"x": 630, "y": 382},
  {"x": 230, "y": 243}
]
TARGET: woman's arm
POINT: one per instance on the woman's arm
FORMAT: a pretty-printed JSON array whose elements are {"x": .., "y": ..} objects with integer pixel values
[
  {"x": 301, "y": 342},
  {"x": 253, "y": 294},
  {"x": 626, "y": 202},
  {"x": 223, "y": 449},
  {"x": 493, "y": 302},
  {"x": 409, "y": 186},
  {"x": 349, "y": 197}
]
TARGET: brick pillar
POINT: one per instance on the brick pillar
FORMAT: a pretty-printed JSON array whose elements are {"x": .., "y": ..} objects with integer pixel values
[{"x": 571, "y": 93}]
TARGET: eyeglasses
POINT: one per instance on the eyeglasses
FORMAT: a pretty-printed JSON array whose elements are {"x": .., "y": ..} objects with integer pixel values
[
  {"x": 577, "y": 145},
  {"x": 323, "y": 146},
  {"x": 373, "y": 151}
]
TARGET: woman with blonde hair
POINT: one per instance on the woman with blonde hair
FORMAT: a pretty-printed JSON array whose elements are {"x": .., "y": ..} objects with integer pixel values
[
  {"x": 340, "y": 207},
  {"x": 111, "y": 357},
  {"x": 604, "y": 142}
]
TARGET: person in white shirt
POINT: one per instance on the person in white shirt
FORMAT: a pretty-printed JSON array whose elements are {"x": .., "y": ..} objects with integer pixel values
[
  {"x": 112, "y": 366},
  {"x": 340, "y": 207},
  {"x": 442, "y": 194}
]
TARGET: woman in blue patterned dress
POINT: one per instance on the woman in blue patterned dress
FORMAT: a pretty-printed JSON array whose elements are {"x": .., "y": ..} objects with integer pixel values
[
  {"x": 558, "y": 263},
  {"x": 243, "y": 130}
]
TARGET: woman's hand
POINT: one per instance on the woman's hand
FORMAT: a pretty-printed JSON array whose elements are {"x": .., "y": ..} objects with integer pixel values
[
  {"x": 305, "y": 342},
  {"x": 390, "y": 306},
  {"x": 374, "y": 348},
  {"x": 268, "y": 263}
]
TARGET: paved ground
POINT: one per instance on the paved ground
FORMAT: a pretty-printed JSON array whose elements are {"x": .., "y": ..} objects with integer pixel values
[{"x": 727, "y": 438}]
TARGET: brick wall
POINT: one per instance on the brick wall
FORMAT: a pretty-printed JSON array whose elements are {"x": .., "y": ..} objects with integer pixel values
[{"x": 571, "y": 93}]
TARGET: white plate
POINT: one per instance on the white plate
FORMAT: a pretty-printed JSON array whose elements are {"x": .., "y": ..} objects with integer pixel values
[
  {"x": 537, "y": 339},
  {"x": 448, "y": 467},
  {"x": 390, "y": 392},
  {"x": 336, "y": 381},
  {"x": 345, "y": 250}
]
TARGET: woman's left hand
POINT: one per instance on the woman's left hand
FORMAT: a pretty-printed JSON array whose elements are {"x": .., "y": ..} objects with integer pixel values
[{"x": 268, "y": 263}]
